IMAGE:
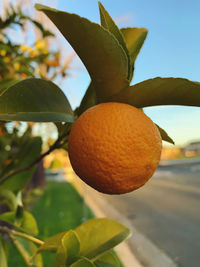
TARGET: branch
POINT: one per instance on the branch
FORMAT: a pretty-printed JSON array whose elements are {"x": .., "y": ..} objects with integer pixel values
[{"x": 56, "y": 145}]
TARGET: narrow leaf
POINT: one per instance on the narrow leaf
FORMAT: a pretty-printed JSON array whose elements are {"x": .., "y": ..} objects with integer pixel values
[
  {"x": 108, "y": 23},
  {"x": 100, "y": 235},
  {"x": 165, "y": 136},
  {"x": 35, "y": 100},
  {"x": 161, "y": 91},
  {"x": 99, "y": 50},
  {"x": 134, "y": 38}
]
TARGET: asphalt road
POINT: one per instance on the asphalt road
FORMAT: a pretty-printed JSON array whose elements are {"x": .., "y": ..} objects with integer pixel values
[{"x": 167, "y": 211}]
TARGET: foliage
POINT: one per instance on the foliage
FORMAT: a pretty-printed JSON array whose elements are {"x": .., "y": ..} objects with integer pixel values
[
  {"x": 109, "y": 55},
  {"x": 18, "y": 60}
]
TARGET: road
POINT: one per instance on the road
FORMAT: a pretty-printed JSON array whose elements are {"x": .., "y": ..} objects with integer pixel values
[{"x": 167, "y": 211}]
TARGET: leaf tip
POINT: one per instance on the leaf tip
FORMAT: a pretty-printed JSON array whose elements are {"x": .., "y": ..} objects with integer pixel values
[{"x": 41, "y": 7}]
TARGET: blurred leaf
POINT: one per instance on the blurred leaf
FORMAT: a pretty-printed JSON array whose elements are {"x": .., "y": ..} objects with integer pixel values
[
  {"x": 29, "y": 151},
  {"x": 7, "y": 197},
  {"x": 83, "y": 263},
  {"x": 164, "y": 135},
  {"x": 103, "y": 264},
  {"x": 51, "y": 243},
  {"x": 8, "y": 217},
  {"x": 88, "y": 100},
  {"x": 35, "y": 100},
  {"x": 68, "y": 250},
  {"x": 30, "y": 250},
  {"x": 161, "y": 91},
  {"x": 3, "y": 258},
  {"x": 44, "y": 32},
  {"x": 99, "y": 50},
  {"x": 100, "y": 235},
  {"x": 108, "y": 23},
  {"x": 19, "y": 215},
  {"x": 108, "y": 258},
  {"x": 29, "y": 224}
]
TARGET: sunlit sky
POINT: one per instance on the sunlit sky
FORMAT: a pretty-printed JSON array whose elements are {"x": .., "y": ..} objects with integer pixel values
[{"x": 172, "y": 49}]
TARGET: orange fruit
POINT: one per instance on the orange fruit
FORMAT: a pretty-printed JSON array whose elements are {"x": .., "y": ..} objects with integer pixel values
[{"x": 114, "y": 147}]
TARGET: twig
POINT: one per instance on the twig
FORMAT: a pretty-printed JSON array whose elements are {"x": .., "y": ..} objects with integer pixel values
[
  {"x": 29, "y": 237},
  {"x": 8, "y": 231}
]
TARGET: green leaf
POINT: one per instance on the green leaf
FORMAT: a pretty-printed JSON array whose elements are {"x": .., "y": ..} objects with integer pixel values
[
  {"x": 8, "y": 217},
  {"x": 35, "y": 100},
  {"x": 30, "y": 250},
  {"x": 164, "y": 135},
  {"x": 29, "y": 223},
  {"x": 7, "y": 197},
  {"x": 103, "y": 264},
  {"x": 108, "y": 258},
  {"x": 100, "y": 235},
  {"x": 68, "y": 250},
  {"x": 18, "y": 181},
  {"x": 134, "y": 38},
  {"x": 99, "y": 50},
  {"x": 108, "y": 23},
  {"x": 161, "y": 91},
  {"x": 3, "y": 258},
  {"x": 51, "y": 243},
  {"x": 88, "y": 100},
  {"x": 83, "y": 263},
  {"x": 26, "y": 224},
  {"x": 6, "y": 84}
]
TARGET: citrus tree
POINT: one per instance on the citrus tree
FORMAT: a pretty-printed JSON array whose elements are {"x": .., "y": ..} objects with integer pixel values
[
  {"x": 109, "y": 55},
  {"x": 18, "y": 60}
]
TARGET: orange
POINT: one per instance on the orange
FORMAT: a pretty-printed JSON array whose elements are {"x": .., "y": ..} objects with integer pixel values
[{"x": 114, "y": 147}]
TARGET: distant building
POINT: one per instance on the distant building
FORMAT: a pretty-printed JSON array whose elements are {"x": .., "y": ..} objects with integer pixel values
[
  {"x": 171, "y": 152},
  {"x": 192, "y": 149}
]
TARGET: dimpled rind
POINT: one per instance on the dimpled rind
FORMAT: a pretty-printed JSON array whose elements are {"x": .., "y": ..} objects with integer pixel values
[{"x": 114, "y": 147}]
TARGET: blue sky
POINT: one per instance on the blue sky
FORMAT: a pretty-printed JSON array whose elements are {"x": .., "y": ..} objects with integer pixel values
[{"x": 172, "y": 49}]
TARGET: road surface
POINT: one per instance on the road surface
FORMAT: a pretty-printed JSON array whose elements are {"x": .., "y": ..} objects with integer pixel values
[{"x": 167, "y": 211}]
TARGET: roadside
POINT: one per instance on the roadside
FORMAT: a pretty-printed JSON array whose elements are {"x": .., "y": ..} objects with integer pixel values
[{"x": 137, "y": 251}]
